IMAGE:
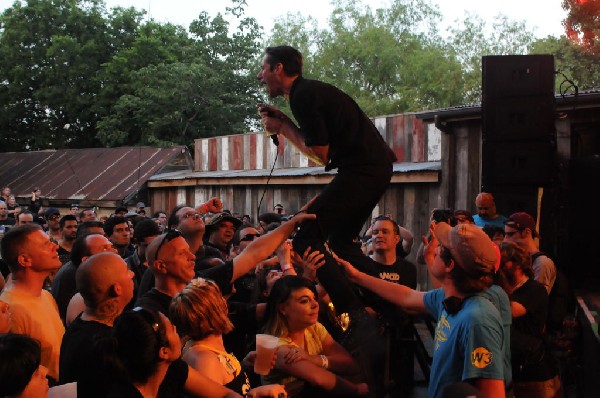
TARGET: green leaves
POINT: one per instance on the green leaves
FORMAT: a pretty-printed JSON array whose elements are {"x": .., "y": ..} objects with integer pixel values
[{"x": 75, "y": 75}]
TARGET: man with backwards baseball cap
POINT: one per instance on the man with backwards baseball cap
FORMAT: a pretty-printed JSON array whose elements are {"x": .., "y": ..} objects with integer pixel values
[{"x": 470, "y": 340}]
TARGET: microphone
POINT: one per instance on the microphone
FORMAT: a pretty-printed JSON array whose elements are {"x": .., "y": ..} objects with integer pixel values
[{"x": 270, "y": 113}]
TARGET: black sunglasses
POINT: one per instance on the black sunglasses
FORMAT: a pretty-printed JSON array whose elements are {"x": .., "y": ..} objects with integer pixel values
[
  {"x": 249, "y": 237},
  {"x": 169, "y": 236}
]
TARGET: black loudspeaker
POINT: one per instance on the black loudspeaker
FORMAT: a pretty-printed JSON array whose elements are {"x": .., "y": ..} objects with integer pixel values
[
  {"x": 518, "y": 120},
  {"x": 524, "y": 162},
  {"x": 509, "y": 76}
]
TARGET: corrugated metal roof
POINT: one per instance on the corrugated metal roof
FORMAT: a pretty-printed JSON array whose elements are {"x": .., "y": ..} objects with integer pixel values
[
  {"x": 582, "y": 98},
  {"x": 108, "y": 174},
  {"x": 406, "y": 167}
]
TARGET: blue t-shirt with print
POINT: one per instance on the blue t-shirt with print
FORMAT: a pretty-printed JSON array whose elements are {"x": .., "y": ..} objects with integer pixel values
[{"x": 467, "y": 345}]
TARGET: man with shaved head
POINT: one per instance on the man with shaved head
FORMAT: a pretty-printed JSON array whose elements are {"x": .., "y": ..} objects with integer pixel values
[
  {"x": 106, "y": 285},
  {"x": 63, "y": 284}
]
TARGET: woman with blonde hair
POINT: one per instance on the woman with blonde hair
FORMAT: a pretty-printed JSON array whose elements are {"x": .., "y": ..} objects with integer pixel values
[
  {"x": 200, "y": 314},
  {"x": 309, "y": 361}
]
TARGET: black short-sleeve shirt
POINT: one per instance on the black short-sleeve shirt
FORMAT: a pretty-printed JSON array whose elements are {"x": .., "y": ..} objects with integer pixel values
[{"x": 328, "y": 116}]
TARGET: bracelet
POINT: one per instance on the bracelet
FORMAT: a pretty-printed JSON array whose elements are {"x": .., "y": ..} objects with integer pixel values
[
  {"x": 325, "y": 362},
  {"x": 285, "y": 267}
]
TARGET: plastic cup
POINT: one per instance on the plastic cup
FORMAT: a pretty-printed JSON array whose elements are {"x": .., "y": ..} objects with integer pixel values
[{"x": 265, "y": 349}]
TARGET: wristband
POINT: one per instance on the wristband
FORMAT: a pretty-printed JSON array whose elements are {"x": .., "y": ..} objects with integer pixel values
[
  {"x": 325, "y": 362},
  {"x": 285, "y": 267}
]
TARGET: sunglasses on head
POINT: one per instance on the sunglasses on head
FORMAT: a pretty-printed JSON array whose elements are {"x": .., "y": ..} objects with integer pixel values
[
  {"x": 169, "y": 236},
  {"x": 515, "y": 225}
]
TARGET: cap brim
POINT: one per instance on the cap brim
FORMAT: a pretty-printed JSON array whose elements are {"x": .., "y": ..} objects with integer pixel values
[{"x": 442, "y": 233}]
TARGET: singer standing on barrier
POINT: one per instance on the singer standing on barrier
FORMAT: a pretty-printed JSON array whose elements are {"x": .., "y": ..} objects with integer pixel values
[{"x": 334, "y": 132}]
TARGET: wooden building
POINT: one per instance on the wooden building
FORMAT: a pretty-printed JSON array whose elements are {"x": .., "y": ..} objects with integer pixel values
[{"x": 439, "y": 166}]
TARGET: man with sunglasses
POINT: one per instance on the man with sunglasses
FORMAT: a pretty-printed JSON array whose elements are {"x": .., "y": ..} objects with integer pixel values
[
  {"x": 188, "y": 221},
  {"x": 519, "y": 228},
  {"x": 245, "y": 236},
  {"x": 220, "y": 231},
  {"x": 52, "y": 215},
  {"x": 171, "y": 261}
]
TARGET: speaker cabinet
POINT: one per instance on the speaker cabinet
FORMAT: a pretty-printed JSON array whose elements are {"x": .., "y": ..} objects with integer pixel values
[
  {"x": 509, "y": 76},
  {"x": 518, "y": 132}
]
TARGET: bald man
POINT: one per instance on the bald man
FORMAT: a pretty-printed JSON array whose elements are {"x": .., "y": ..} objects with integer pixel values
[
  {"x": 486, "y": 211},
  {"x": 106, "y": 285}
]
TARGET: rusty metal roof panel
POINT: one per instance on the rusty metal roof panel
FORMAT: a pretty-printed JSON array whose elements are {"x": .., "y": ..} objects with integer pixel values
[
  {"x": 88, "y": 174},
  {"x": 405, "y": 167}
]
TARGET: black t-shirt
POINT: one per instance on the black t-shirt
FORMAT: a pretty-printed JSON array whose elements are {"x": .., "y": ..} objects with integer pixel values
[
  {"x": 245, "y": 327},
  {"x": 221, "y": 275},
  {"x": 155, "y": 300},
  {"x": 64, "y": 287},
  {"x": 402, "y": 272},
  {"x": 173, "y": 385},
  {"x": 76, "y": 350},
  {"x": 530, "y": 358},
  {"x": 328, "y": 116},
  {"x": 64, "y": 255},
  {"x": 202, "y": 255},
  {"x": 146, "y": 283}
]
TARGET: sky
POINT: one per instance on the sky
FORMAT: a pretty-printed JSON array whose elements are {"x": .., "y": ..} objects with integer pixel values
[{"x": 542, "y": 16}]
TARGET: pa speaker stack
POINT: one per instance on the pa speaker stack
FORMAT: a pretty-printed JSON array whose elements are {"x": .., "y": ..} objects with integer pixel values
[{"x": 518, "y": 147}]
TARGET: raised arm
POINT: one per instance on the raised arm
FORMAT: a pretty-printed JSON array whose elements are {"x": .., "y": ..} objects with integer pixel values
[
  {"x": 400, "y": 295},
  {"x": 264, "y": 246}
]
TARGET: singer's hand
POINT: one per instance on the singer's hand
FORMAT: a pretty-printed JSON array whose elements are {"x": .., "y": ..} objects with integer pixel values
[
  {"x": 272, "y": 118},
  {"x": 271, "y": 111}
]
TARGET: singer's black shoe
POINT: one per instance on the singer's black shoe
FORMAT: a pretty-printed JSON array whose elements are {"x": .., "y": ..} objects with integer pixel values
[{"x": 365, "y": 331}]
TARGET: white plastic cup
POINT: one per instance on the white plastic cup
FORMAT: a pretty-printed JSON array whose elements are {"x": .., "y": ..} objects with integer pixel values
[{"x": 265, "y": 349}]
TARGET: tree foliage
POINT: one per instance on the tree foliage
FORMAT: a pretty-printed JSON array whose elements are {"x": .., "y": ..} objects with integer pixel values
[
  {"x": 576, "y": 66},
  {"x": 394, "y": 59},
  {"x": 76, "y": 75},
  {"x": 583, "y": 23}
]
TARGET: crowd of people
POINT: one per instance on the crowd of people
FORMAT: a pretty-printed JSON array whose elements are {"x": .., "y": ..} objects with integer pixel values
[
  {"x": 129, "y": 303},
  {"x": 170, "y": 305}
]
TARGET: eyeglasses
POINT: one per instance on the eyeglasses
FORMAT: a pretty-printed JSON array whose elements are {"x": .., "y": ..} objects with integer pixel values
[
  {"x": 169, "y": 236},
  {"x": 54, "y": 217},
  {"x": 249, "y": 237},
  {"x": 194, "y": 216}
]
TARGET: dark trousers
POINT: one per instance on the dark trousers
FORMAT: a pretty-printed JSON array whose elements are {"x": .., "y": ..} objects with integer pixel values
[{"x": 342, "y": 209}]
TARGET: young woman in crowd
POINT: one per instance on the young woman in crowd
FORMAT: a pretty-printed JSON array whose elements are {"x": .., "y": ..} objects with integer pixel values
[
  {"x": 309, "y": 362},
  {"x": 200, "y": 314},
  {"x": 21, "y": 375},
  {"x": 145, "y": 353}
]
